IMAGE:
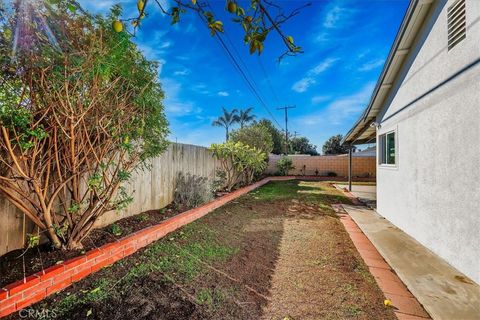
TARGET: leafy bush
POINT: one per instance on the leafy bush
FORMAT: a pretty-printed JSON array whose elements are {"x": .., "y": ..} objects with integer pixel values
[
  {"x": 256, "y": 136},
  {"x": 240, "y": 162},
  {"x": 191, "y": 191},
  {"x": 334, "y": 146},
  {"x": 219, "y": 181},
  {"x": 284, "y": 165},
  {"x": 77, "y": 117},
  {"x": 301, "y": 145},
  {"x": 116, "y": 230},
  {"x": 278, "y": 137}
]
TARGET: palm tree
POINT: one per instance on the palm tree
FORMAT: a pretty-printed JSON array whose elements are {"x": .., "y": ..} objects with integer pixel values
[
  {"x": 245, "y": 117},
  {"x": 226, "y": 120}
]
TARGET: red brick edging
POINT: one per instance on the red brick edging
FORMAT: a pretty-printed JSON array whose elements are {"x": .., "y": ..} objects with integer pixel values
[
  {"x": 36, "y": 287},
  {"x": 406, "y": 305}
]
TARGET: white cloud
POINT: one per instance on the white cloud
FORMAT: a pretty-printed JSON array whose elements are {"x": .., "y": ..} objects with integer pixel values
[
  {"x": 319, "y": 99},
  {"x": 190, "y": 28},
  {"x": 200, "y": 88},
  {"x": 174, "y": 105},
  {"x": 336, "y": 16},
  {"x": 183, "y": 72},
  {"x": 371, "y": 65},
  {"x": 340, "y": 109},
  {"x": 223, "y": 94},
  {"x": 322, "y": 66},
  {"x": 165, "y": 44},
  {"x": 333, "y": 16},
  {"x": 303, "y": 84}
]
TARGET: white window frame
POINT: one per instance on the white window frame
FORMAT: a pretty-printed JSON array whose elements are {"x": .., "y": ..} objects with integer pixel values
[{"x": 382, "y": 157}]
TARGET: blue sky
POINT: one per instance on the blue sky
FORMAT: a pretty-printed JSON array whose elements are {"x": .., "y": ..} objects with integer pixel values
[{"x": 345, "y": 44}]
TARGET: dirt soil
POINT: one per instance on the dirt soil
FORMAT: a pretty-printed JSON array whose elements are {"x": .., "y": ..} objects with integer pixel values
[
  {"x": 279, "y": 252},
  {"x": 44, "y": 256}
]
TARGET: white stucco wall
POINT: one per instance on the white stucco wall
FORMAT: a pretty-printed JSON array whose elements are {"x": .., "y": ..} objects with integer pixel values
[{"x": 433, "y": 192}]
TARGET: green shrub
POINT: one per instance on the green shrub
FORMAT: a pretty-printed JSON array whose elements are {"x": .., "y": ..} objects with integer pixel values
[
  {"x": 219, "y": 181},
  {"x": 116, "y": 230},
  {"x": 256, "y": 136},
  {"x": 241, "y": 163},
  {"x": 77, "y": 117},
  {"x": 191, "y": 191},
  {"x": 331, "y": 174},
  {"x": 284, "y": 165}
]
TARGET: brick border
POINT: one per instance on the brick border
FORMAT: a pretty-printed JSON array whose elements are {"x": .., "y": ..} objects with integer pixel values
[
  {"x": 406, "y": 305},
  {"x": 34, "y": 288}
]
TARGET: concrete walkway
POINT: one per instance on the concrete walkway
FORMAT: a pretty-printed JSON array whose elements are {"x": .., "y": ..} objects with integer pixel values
[
  {"x": 442, "y": 290},
  {"x": 365, "y": 193}
]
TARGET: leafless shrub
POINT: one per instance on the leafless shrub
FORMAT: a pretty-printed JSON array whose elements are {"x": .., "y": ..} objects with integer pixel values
[{"x": 191, "y": 191}]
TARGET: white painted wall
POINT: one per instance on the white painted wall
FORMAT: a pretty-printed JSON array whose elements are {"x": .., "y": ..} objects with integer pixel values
[{"x": 433, "y": 192}]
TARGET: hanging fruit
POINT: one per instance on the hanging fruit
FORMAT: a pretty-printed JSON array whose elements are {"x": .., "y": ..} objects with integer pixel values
[
  {"x": 232, "y": 7},
  {"x": 117, "y": 26},
  {"x": 140, "y": 5}
]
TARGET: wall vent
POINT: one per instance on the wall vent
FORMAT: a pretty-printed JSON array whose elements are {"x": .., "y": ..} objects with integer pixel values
[{"x": 456, "y": 22}]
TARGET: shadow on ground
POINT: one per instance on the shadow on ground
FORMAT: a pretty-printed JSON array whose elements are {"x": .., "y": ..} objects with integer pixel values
[{"x": 278, "y": 251}]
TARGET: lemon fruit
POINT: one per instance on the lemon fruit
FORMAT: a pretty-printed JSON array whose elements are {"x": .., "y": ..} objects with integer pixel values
[
  {"x": 117, "y": 26},
  {"x": 140, "y": 5},
  {"x": 232, "y": 7}
]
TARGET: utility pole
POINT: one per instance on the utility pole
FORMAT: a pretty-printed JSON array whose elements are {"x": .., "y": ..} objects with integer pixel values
[{"x": 286, "y": 125}]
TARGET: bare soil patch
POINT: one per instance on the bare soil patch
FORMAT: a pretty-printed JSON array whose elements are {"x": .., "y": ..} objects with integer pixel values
[
  {"x": 35, "y": 259},
  {"x": 243, "y": 261}
]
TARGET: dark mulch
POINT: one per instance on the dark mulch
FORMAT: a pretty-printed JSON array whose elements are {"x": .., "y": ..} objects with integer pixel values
[{"x": 35, "y": 259}]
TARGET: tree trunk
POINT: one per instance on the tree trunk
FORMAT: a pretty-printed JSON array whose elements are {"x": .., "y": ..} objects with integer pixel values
[{"x": 74, "y": 245}]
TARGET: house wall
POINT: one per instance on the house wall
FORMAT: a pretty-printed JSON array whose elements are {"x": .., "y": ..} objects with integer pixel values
[{"x": 433, "y": 191}]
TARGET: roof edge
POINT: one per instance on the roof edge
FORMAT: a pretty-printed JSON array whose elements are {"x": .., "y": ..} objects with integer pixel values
[{"x": 414, "y": 5}]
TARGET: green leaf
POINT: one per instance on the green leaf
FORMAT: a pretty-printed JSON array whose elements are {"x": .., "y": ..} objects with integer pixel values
[{"x": 72, "y": 8}]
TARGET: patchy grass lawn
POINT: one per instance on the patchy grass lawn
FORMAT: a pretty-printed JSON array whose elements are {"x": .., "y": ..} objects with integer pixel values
[{"x": 278, "y": 251}]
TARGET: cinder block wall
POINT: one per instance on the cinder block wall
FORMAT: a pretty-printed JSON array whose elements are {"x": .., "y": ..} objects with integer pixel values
[{"x": 311, "y": 165}]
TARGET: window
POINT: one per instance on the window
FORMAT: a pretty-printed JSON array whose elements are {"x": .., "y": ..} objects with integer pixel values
[
  {"x": 387, "y": 150},
  {"x": 456, "y": 23}
]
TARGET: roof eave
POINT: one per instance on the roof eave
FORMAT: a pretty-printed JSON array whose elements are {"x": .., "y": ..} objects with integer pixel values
[{"x": 394, "y": 60}]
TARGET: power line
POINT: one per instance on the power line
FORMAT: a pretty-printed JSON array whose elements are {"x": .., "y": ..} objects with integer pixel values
[
  {"x": 242, "y": 73},
  {"x": 259, "y": 61},
  {"x": 269, "y": 83},
  {"x": 286, "y": 124}
]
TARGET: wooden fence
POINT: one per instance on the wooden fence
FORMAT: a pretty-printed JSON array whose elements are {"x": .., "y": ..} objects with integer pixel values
[{"x": 152, "y": 189}]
